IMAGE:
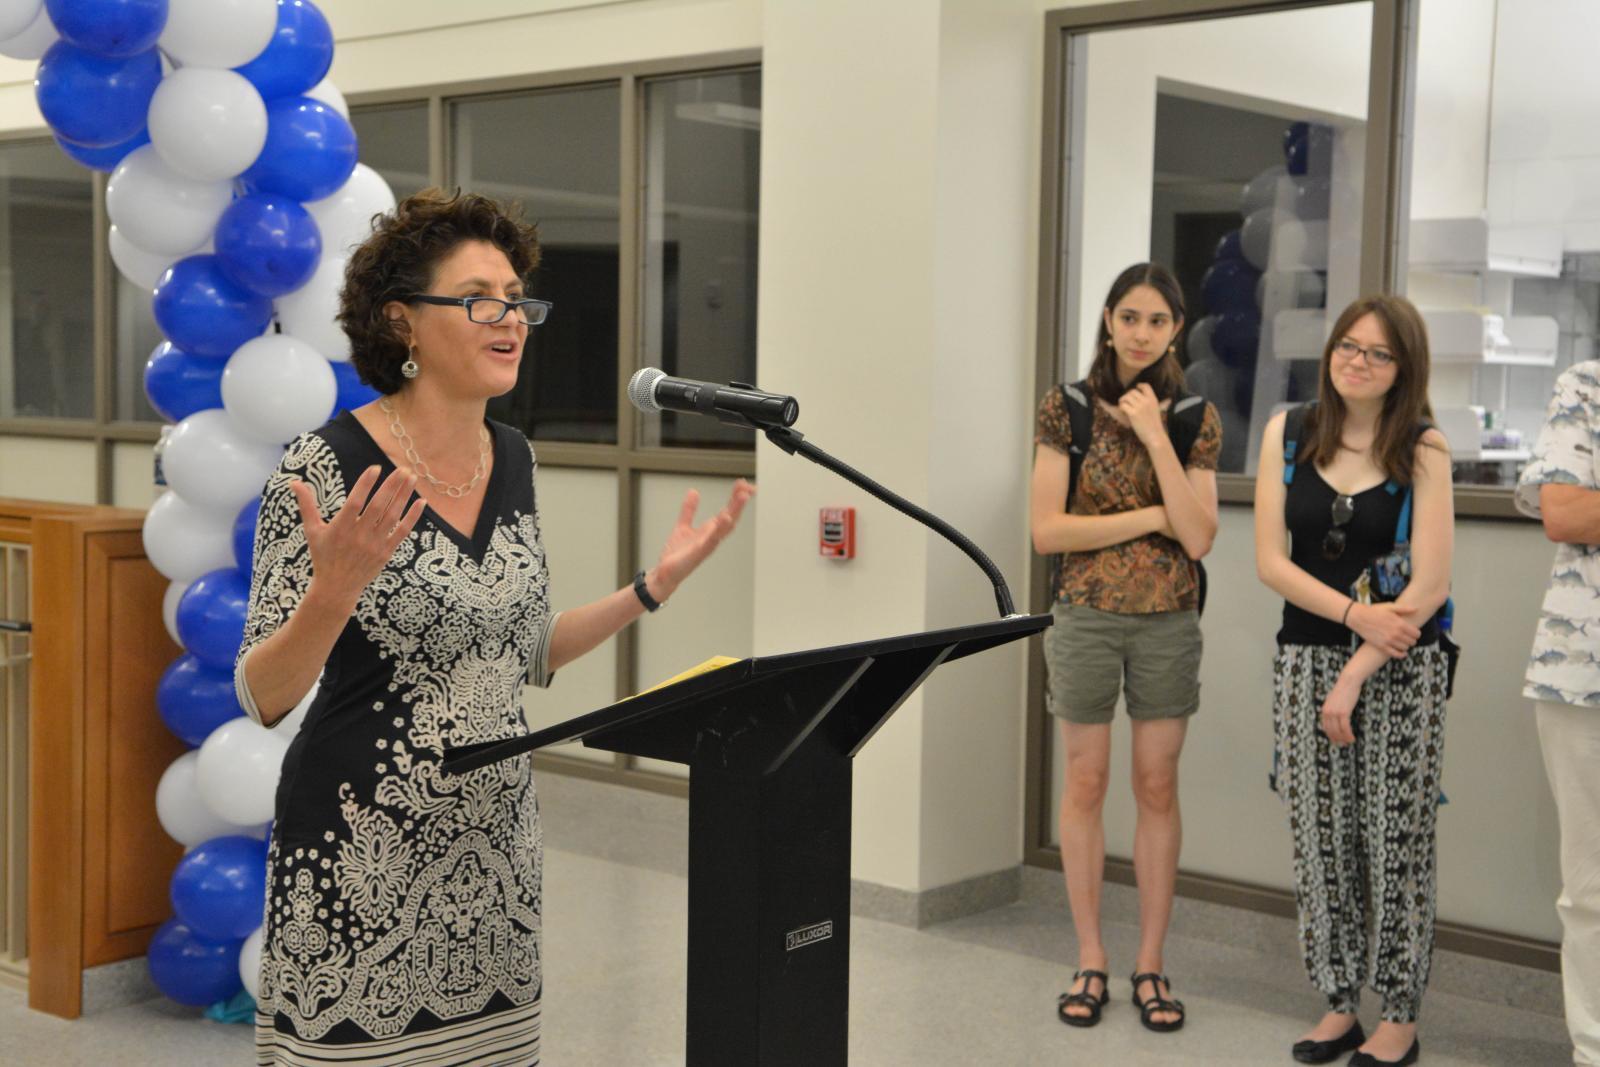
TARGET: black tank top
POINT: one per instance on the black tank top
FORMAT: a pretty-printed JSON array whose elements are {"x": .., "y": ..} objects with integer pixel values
[{"x": 1308, "y": 513}]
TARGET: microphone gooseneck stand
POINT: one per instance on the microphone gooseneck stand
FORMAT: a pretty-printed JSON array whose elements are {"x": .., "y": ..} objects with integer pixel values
[{"x": 794, "y": 443}]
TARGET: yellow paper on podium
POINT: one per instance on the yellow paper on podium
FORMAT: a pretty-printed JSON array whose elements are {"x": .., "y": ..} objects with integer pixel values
[{"x": 715, "y": 663}]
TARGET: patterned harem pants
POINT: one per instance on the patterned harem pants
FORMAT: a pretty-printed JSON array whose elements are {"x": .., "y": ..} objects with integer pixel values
[{"x": 1362, "y": 817}]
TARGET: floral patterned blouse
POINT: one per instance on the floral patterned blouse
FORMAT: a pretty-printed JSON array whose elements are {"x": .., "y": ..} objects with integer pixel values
[{"x": 1148, "y": 574}]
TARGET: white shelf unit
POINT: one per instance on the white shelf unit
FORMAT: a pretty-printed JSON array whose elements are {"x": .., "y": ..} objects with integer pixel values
[
  {"x": 1472, "y": 246},
  {"x": 1468, "y": 336}
]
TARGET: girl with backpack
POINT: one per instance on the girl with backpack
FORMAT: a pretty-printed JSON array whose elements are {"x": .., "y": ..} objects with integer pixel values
[
  {"x": 1354, "y": 515},
  {"x": 1130, "y": 505}
]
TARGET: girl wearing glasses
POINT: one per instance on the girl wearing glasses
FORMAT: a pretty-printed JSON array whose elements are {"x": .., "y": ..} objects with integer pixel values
[
  {"x": 1126, "y": 613},
  {"x": 1359, "y": 687},
  {"x": 398, "y": 555}
]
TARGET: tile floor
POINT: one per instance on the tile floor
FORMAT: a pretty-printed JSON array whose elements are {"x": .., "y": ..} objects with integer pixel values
[{"x": 978, "y": 990}]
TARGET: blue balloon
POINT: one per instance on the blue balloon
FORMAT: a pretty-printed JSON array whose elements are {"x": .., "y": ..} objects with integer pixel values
[
  {"x": 192, "y": 970},
  {"x": 310, "y": 150},
  {"x": 297, "y": 57},
  {"x": 109, "y": 27},
  {"x": 1296, "y": 133},
  {"x": 353, "y": 392},
  {"x": 179, "y": 384},
  {"x": 244, "y": 535},
  {"x": 205, "y": 312},
  {"x": 1229, "y": 285},
  {"x": 211, "y": 616},
  {"x": 104, "y": 159},
  {"x": 1229, "y": 247},
  {"x": 219, "y": 887},
  {"x": 1308, "y": 150},
  {"x": 268, "y": 244},
  {"x": 1236, "y": 337},
  {"x": 195, "y": 699},
  {"x": 93, "y": 100}
]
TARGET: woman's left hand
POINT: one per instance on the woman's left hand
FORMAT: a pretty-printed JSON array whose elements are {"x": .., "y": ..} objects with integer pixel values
[
  {"x": 1337, "y": 711},
  {"x": 688, "y": 545},
  {"x": 1143, "y": 411}
]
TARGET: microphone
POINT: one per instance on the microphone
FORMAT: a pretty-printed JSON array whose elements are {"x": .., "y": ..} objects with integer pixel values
[{"x": 652, "y": 391}]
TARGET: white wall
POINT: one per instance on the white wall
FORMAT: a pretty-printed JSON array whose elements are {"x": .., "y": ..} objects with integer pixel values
[
  {"x": 1544, "y": 141},
  {"x": 1304, "y": 61}
]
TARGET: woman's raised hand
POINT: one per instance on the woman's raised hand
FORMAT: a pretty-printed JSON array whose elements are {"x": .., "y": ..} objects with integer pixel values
[
  {"x": 1142, "y": 409},
  {"x": 688, "y": 545},
  {"x": 350, "y": 550},
  {"x": 1387, "y": 626}
]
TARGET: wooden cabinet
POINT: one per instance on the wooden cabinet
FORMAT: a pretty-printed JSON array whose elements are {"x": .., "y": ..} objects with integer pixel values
[{"x": 98, "y": 861}]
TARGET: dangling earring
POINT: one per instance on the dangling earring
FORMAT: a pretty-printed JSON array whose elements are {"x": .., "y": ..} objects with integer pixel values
[
  {"x": 1172, "y": 349},
  {"x": 409, "y": 368}
]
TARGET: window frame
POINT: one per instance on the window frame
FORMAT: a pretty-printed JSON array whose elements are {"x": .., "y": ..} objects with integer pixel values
[
  {"x": 630, "y": 461},
  {"x": 1385, "y": 222}
]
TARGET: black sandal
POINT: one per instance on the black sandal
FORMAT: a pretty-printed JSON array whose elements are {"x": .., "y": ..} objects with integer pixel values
[
  {"x": 1156, "y": 1003},
  {"x": 1084, "y": 999}
]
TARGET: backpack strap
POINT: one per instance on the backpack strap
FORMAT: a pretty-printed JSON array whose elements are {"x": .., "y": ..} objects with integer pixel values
[
  {"x": 1080, "y": 419},
  {"x": 1184, "y": 419},
  {"x": 1294, "y": 425}
]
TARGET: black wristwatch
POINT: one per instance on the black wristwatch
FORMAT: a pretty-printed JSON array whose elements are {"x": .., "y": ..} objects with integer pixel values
[{"x": 643, "y": 592}]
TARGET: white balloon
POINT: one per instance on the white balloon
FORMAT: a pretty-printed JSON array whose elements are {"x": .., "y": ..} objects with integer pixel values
[
  {"x": 34, "y": 40},
  {"x": 183, "y": 813},
  {"x": 309, "y": 312},
  {"x": 1262, "y": 190},
  {"x": 184, "y": 541},
  {"x": 160, "y": 210},
  {"x": 207, "y": 124},
  {"x": 329, "y": 94},
  {"x": 141, "y": 268},
  {"x": 1255, "y": 236},
  {"x": 169, "y": 608},
  {"x": 345, "y": 218},
  {"x": 211, "y": 464},
  {"x": 218, "y": 33},
  {"x": 290, "y": 724},
  {"x": 237, "y": 772},
  {"x": 17, "y": 15},
  {"x": 277, "y": 387},
  {"x": 250, "y": 963}
]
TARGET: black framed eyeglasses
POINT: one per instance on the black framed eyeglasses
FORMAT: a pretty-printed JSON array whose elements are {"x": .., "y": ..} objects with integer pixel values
[
  {"x": 489, "y": 310},
  {"x": 1343, "y": 510},
  {"x": 1375, "y": 356}
]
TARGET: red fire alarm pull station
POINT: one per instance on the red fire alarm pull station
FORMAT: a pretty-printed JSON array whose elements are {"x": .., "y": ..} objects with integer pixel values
[{"x": 837, "y": 533}]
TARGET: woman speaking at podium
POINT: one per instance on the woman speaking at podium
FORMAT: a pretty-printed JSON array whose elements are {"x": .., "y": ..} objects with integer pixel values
[{"x": 398, "y": 555}]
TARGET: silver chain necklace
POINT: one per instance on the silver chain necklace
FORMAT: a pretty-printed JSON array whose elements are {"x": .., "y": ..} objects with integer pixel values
[{"x": 455, "y": 492}]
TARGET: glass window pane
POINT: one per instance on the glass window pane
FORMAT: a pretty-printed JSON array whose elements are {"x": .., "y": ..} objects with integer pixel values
[
  {"x": 136, "y": 337},
  {"x": 1231, "y": 150},
  {"x": 46, "y": 303},
  {"x": 394, "y": 142},
  {"x": 701, "y": 167},
  {"x": 559, "y": 154},
  {"x": 1503, "y": 247}
]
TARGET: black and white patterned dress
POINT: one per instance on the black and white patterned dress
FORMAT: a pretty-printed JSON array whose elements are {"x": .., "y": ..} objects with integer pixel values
[{"x": 402, "y": 923}]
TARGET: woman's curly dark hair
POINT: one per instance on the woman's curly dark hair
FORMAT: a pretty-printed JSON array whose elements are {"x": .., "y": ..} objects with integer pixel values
[{"x": 399, "y": 259}]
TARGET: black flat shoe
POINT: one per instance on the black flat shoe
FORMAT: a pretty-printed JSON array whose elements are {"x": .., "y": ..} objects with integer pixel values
[
  {"x": 1157, "y": 1003},
  {"x": 1367, "y": 1059},
  {"x": 1328, "y": 1051},
  {"x": 1086, "y": 999}
]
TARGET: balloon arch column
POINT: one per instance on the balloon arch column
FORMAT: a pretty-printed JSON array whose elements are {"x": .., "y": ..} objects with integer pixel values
[{"x": 234, "y": 196}]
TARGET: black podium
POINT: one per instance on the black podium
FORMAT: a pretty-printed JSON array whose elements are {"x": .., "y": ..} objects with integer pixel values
[{"x": 768, "y": 742}]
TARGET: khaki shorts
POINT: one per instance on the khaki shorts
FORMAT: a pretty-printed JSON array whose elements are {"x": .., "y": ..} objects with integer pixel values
[{"x": 1091, "y": 655}]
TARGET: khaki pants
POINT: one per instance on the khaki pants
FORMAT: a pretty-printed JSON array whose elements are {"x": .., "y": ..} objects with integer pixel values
[{"x": 1570, "y": 737}]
